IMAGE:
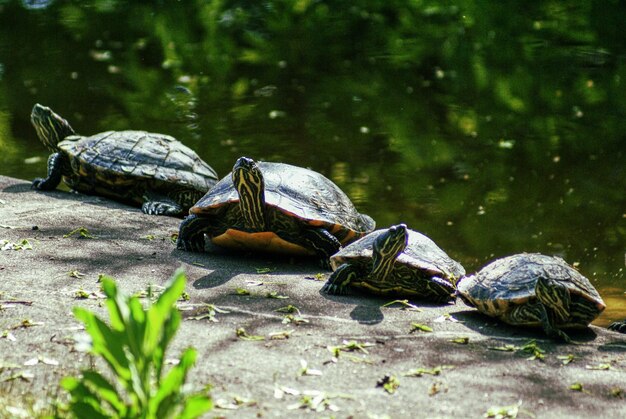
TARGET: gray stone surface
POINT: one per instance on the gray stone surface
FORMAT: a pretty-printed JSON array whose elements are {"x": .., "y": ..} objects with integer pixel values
[{"x": 136, "y": 249}]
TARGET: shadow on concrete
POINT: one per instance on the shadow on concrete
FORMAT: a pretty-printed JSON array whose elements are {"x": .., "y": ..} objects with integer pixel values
[
  {"x": 66, "y": 195},
  {"x": 17, "y": 188},
  {"x": 494, "y": 328},
  {"x": 614, "y": 346},
  {"x": 226, "y": 264}
]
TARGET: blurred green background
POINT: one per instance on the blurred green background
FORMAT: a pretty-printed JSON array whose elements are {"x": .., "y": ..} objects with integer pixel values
[{"x": 494, "y": 127}]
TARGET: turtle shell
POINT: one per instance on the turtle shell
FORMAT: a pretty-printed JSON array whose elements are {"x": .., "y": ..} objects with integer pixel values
[
  {"x": 299, "y": 193},
  {"x": 421, "y": 254},
  {"x": 120, "y": 160},
  {"x": 508, "y": 283}
]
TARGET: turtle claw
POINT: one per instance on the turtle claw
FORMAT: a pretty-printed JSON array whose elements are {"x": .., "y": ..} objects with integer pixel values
[
  {"x": 161, "y": 208},
  {"x": 339, "y": 281},
  {"x": 190, "y": 245},
  {"x": 333, "y": 289},
  {"x": 36, "y": 183},
  {"x": 619, "y": 327}
]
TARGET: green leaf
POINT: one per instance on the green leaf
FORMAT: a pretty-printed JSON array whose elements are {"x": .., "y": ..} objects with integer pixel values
[
  {"x": 82, "y": 231},
  {"x": 243, "y": 335},
  {"x": 599, "y": 367},
  {"x": 504, "y": 348},
  {"x": 136, "y": 326},
  {"x": 418, "y": 372},
  {"x": 169, "y": 330},
  {"x": 405, "y": 305},
  {"x": 502, "y": 412},
  {"x": 420, "y": 327},
  {"x": 69, "y": 383},
  {"x": 81, "y": 409},
  {"x": 576, "y": 387},
  {"x": 105, "y": 390},
  {"x": 164, "y": 320},
  {"x": 288, "y": 309},
  {"x": 110, "y": 290},
  {"x": 134, "y": 347},
  {"x": 566, "y": 359},
  {"x": 389, "y": 383},
  {"x": 105, "y": 342},
  {"x": 84, "y": 401},
  {"x": 164, "y": 400},
  {"x": 195, "y": 406}
]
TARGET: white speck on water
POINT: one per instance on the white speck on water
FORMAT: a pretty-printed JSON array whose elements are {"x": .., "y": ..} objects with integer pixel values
[
  {"x": 364, "y": 130},
  {"x": 578, "y": 113},
  {"x": 33, "y": 160},
  {"x": 276, "y": 114}
]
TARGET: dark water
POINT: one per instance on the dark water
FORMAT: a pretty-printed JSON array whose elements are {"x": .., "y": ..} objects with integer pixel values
[{"x": 493, "y": 127}]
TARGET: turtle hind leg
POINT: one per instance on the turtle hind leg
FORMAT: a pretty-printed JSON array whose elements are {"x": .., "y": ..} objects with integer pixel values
[
  {"x": 619, "y": 326},
  {"x": 555, "y": 301},
  {"x": 156, "y": 204},
  {"x": 56, "y": 161},
  {"x": 162, "y": 208},
  {"x": 339, "y": 281}
]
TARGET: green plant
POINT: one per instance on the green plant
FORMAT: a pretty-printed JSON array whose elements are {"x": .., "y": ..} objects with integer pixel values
[{"x": 134, "y": 346}]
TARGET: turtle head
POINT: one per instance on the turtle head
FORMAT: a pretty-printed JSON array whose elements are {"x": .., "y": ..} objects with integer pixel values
[
  {"x": 50, "y": 127},
  {"x": 248, "y": 181},
  {"x": 386, "y": 248}
]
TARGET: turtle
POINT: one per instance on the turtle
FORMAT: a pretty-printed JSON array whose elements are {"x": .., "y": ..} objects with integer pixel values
[
  {"x": 274, "y": 207},
  {"x": 395, "y": 261},
  {"x": 532, "y": 289},
  {"x": 155, "y": 171}
]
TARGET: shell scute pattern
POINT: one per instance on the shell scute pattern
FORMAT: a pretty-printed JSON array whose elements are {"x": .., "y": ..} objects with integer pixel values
[
  {"x": 295, "y": 191},
  {"x": 514, "y": 278},
  {"x": 112, "y": 155}
]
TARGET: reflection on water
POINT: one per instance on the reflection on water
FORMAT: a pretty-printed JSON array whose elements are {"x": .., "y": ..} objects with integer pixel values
[{"x": 492, "y": 128}]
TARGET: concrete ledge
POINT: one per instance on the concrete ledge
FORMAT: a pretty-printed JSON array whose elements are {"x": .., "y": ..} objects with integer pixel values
[{"x": 136, "y": 249}]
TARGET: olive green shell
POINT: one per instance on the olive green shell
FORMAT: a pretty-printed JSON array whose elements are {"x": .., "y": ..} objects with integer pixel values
[
  {"x": 297, "y": 192},
  {"x": 123, "y": 159},
  {"x": 510, "y": 282}
]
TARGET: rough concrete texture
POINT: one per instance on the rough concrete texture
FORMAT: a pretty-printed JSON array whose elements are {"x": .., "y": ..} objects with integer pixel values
[{"x": 266, "y": 378}]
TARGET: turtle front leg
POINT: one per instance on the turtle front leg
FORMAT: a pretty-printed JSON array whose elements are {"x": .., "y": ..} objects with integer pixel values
[
  {"x": 191, "y": 234},
  {"x": 619, "y": 326},
  {"x": 56, "y": 161},
  {"x": 340, "y": 281},
  {"x": 555, "y": 300}
]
